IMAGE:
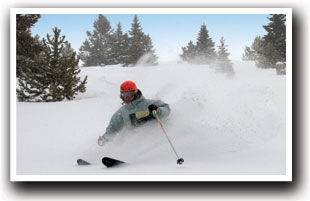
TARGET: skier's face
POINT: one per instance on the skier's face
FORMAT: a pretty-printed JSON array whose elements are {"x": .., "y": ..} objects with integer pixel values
[{"x": 127, "y": 96}]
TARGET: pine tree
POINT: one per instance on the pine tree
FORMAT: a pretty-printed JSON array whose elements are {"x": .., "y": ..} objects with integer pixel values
[
  {"x": 189, "y": 52},
  {"x": 201, "y": 53},
  {"x": 149, "y": 57},
  {"x": 269, "y": 57},
  {"x": 271, "y": 48},
  {"x": 258, "y": 47},
  {"x": 57, "y": 78},
  {"x": 136, "y": 42},
  {"x": 249, "y": 54},
  {"x": 27, "y": 47},
  {"x": 266, "y": 55},
  {"x": 85, "y": 53},
  {"x": 119, "y": 45},
  {"x": 126, "y": 56},
  {"x": 96, "y": 50},
  {"x": 223, "y": 63},
  {"x": 258, "y": 52},
  {"x": 276, "y": 35},
  {"x": 205, "y": 47}
]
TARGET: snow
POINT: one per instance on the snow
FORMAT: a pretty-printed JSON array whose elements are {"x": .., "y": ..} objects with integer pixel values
[{"x": 219, "y": 125}]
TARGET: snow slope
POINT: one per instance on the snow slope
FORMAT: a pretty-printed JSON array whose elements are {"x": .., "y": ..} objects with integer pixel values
[{"x": 220, "y": 126}]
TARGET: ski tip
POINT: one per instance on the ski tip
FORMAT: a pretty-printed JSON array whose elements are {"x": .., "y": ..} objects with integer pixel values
[
  {"x": 180, "y": 161},
  {"x": 111, "y": 162},
  {"x": 82, "y": 162}
]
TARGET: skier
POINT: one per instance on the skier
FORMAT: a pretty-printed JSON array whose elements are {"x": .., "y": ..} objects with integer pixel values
[{"x": 135, "y": 111}]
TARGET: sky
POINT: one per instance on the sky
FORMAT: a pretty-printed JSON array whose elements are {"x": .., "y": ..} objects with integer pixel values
[{"x": 169, "y": 32}]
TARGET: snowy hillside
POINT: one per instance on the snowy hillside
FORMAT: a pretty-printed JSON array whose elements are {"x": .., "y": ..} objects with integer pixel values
[{"x": 219, "y": 126}]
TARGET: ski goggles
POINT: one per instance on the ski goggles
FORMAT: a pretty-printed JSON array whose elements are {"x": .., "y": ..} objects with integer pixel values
[{"x": 129, "y": 94}]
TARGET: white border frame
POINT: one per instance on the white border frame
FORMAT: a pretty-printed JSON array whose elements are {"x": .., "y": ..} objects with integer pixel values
[{"x": 287, "y": 177}]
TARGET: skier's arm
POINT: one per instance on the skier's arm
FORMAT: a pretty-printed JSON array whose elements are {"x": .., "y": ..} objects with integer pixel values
[
  {"x": 164, "y": 109},
  {"x": 115, "y": 125}
]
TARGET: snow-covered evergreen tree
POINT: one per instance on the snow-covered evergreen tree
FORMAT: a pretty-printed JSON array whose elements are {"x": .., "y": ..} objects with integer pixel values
[
  {"x": 126, "y": 56},
  {"x": 223, "y": 63},
  {"x": 271, "y": 48},
  {"x": 205, "y": 51},
  {"x": 276, "y": 35},
  {"x": 201, "y": 53},
  {"x": 269, "y": 56},
  {"x": 84, "y": 53},
  {"x": 189, "y": 52},
  {"x": 119, "y": 45},
  {"x": 140, "y": 48},
  {"x": 249, "y": 54},
  {"x": 258, "y": 46},
  {"x": 96, "y": 49},
  {"x": 273, "y": 45},
  {"x": 27, "y": 47},
  {"x": 57, "y": 77},
  {"x": 149, "y": 57},
  {"x": 136, "y": 42}
]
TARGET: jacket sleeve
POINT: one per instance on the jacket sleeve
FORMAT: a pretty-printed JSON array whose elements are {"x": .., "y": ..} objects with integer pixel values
[
  {"x": 115, "y": 125},
  {"x": 164, "y": 109}
]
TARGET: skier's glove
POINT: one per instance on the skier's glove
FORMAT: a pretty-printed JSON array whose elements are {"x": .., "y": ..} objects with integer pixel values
[
  {"x": 153, "y": 108},
  {"x": 102, "y": 140}
]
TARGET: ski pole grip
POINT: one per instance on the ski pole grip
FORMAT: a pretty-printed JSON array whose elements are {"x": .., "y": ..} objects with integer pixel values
[{"x": 154, "y": 113}]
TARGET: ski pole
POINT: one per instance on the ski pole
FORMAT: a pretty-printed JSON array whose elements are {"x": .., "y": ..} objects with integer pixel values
[{"x": 180, "y": 160}]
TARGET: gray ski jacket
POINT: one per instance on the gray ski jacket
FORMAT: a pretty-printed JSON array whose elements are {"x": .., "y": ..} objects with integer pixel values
[{"x": 135, "y": 113}]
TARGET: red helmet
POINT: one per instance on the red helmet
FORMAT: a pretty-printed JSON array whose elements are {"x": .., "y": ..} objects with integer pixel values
[
  {"x": 128, "y": 91},
  {"x": 129, "y": 86}
]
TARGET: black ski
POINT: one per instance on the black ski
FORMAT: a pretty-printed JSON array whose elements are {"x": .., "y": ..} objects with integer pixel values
[
  {"x": 82, "y": 162},
  {"x": 110, "y": 162},
  {"x": 106, "y": 161}
]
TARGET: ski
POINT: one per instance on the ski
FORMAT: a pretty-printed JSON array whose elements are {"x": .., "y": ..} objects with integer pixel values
[
  {"x": 82, "y": 162},
  {"x": 110, "y": 162}
]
